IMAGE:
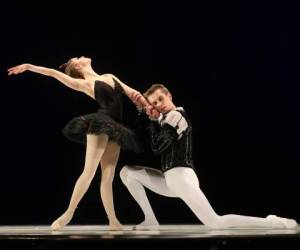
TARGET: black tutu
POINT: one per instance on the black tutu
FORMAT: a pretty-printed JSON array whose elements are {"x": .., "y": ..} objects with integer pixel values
[{"x": 100, "y": 123}]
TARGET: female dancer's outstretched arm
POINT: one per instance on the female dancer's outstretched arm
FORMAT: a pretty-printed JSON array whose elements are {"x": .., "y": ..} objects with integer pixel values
[
  {"x": 134, "y": 95},
  {"x": 74, "y": 83}
]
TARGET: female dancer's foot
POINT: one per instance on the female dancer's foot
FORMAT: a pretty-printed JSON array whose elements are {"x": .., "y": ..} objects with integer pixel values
[
  {"x": 115, "y": 226},
  {"x": 63, "y": 220}
]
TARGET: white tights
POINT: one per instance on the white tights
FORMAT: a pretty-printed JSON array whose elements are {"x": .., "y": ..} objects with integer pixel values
[{"x": 183, "y": 183}]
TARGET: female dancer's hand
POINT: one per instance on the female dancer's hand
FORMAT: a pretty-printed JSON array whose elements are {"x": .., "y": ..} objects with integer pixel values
[
  {"x": 152, "y": 112},
  {"x": 18, "y": 69}
]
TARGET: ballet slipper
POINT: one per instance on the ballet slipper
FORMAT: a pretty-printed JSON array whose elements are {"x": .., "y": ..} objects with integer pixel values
[
  {"x": 63, "y": 220},
  {"x": 147, "y": 226},
  {"x": 288, "y": 223}
]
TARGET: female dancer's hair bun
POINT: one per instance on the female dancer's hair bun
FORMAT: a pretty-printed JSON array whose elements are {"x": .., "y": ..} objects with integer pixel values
[{"x": 63, "y": 66}]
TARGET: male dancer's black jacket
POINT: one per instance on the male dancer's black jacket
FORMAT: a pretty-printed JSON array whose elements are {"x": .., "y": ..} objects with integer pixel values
[{"x": 171, "y": 138}]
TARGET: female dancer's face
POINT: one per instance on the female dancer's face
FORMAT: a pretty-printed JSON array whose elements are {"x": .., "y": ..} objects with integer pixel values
[{"x": 81, "y": 61}]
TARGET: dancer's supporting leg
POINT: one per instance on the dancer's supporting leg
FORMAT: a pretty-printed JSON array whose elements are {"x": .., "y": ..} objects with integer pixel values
[
  {"x": 108, "y": 165},
  {"x": 95, "y": 148},
  {"x": 135, "y": 178}
]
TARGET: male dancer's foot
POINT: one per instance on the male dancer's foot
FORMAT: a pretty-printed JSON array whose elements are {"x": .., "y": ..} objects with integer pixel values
[
  {"x": 147, "y": 225},
  {"x": 63, "y": 220},
  {"x": 287, "y": 223}
]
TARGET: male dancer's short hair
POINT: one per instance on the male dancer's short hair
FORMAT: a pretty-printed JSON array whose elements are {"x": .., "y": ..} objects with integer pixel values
[{"x": 153, "y": 88}]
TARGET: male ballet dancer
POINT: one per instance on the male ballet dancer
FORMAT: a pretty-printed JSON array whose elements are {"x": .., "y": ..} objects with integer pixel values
[{"x": 171, "y": 137}]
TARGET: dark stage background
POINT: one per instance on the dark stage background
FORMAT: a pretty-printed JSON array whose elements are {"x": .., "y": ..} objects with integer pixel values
[{"x": 233, "y": 65}]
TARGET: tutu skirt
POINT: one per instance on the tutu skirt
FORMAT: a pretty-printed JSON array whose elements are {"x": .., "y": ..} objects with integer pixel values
[{"x": 101, "y": 123}]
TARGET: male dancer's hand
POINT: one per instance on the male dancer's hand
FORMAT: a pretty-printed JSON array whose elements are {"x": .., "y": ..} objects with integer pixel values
[{"x": 139, "y": 100}]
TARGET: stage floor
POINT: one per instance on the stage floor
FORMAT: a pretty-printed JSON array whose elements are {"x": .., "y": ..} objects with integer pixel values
[
  {"x": 168, "y": 236},
  {"x": 165, "y": 231}
]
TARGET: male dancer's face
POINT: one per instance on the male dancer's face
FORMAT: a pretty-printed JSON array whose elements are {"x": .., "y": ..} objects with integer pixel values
[{"x": 161, "y": 101}]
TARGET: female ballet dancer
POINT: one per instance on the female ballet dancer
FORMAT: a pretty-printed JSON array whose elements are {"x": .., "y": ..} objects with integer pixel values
[{"x": 102, "y": 131}]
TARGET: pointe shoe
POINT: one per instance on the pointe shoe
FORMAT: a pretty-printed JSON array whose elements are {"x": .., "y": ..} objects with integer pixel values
[
  {"x": 63, "y": 220},
  {"x": 55, "y": 226},
  {"x": 147, "y": 226},
  {"x": 288, "y": 223},
  {"x": 115, "y": 226}
]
